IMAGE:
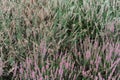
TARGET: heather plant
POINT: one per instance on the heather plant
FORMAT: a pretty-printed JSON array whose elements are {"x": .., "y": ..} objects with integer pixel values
[{"x": 59, "y": 40}]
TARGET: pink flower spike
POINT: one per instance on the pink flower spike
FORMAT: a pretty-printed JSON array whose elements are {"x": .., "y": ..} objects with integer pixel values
[
  {"x": 100, "y": 77},
  {"x": 84, "y": 73},
  {"x": 15, "y": 69},
  {"x": 43, "y": 69},
  {"x": 88, "y": 55},
  {"x": 111, "y": 26},
  {"x": 21, "y": 69},
  {"x": 74, "y": 77},
  {"x": 97, "y": 62},
  {"x": 46, "y": 77},
  {"x": 66, "y": 65},
  {"x": 41, "y": 78},
  {"x": 47, "y": 66},
  {"x": 33, "y": 75},
  {"x": 109, "y": 55},
  {"x": 96, "y": 78},
  {"x": 96, "y": 44},
  {"x": 60, "y": 72},
  {"x": 110, "y": 76}
]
